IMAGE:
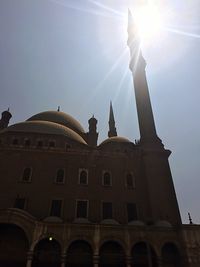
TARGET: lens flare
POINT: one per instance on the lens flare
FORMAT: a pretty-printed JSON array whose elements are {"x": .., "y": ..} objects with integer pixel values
[{"x": 149, "y": 21}]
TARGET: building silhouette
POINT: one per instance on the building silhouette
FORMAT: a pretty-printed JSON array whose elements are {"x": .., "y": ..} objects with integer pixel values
[{"x": 68, "y": 201}]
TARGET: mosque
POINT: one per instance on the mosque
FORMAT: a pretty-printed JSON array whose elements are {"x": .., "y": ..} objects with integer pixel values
[{"x": 68, "y": 201}]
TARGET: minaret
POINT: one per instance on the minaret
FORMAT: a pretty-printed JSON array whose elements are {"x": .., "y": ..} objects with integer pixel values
[
  {"x": 92, "y": 135},
  {"x": 112, "y": 129},
  {"x": 162, "y": 202},
  {"x": 137, "y": 66}
]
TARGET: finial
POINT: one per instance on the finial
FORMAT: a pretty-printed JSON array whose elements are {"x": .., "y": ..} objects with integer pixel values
[
  {"x": 93, "y": 116},
  {"x": 58, "y": 108},
  {"x": 190, "y": 219},
  {"x": 8, "y": 109}
]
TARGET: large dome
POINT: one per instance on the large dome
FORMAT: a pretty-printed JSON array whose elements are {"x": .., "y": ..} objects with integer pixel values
[
  {"x": 60, "y": 118},
  {"x": 45, "y": 127}
]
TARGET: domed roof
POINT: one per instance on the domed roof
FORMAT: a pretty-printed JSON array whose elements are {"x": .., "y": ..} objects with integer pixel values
[
  {"x": 115, "y": 139},
  {"x": 45, "y": 127},
  {"x": 163, "y": 224},
  {"x": 60, "y": 118},
  {"x": 137, "y": 223}
]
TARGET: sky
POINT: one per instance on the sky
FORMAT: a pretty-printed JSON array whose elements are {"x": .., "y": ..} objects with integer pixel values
[{"x": 74, "y": 54}]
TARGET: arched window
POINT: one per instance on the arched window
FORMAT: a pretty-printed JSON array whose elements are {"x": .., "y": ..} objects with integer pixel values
[
  {"x": 130, "y": 181},
  {"x": 52, "y": 144},
  {"x": 106, "y": 179},
  {"x": 60, "y": 176},
  {"x": 14, "y": 246},
  {"x": 15, "y": 142},
  {"x": 112, "y": 254},
  {"x": 26, "y": 176},
  {"x": 79, "y": 254},
  {"x": 143, "y": 254},
  {"x": 47, "y": 253},
  {"x": 40, "y": 143},
  {"x": 83, "y": 176},
  {"x": 27, "y": 142},
  {"x": 67, "y": 147}
]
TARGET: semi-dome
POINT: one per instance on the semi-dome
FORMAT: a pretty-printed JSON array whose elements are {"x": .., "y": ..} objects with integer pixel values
[
  {"x": 60, "y": 118},
  {"x": 45, "y": 127},
  {"x": 115, "y": 139}
]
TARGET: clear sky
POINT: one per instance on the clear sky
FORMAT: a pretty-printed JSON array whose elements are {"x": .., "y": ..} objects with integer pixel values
[{"x": 74, "y": 54}]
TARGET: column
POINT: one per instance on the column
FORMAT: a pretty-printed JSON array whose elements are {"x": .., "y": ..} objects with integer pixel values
[
  {"x": 128, "y": 261},
  {"x": 29, "y": 258},
  {"x": 96, "y": 260},
  {"x": 63, "y": 260}
]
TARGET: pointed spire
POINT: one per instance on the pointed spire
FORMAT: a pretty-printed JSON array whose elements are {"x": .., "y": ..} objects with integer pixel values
[
  {"x": 190, "y": 219},
  {"x": 58, "y": 108},
  {"x": 134, "y": 43},
  {"x": 112, "y": 129}
]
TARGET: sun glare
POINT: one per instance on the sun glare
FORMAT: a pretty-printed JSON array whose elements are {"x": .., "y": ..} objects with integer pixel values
[{"x": 148, "y": 20}]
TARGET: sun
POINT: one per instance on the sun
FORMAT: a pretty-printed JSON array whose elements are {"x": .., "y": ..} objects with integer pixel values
[{"x": 149, "y": 21}]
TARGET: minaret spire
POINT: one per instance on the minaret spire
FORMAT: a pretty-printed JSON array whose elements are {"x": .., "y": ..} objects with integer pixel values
[
  {"x": 137, "y": 66},
  {"x": 112, "y": 129}
]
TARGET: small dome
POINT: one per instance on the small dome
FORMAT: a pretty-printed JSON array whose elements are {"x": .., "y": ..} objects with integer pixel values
[
  {"x": 45, "y": 127},
  {"x": 137, "y": 223},
  {"x": 81, "y": 220},
  {"x": 163, "y": 224},
  {"x": 115, "y": 139},
  {"x": 60, "y": 118},
  {"x": 53, "y": 219},
  {"x": 109, "y": 221}
]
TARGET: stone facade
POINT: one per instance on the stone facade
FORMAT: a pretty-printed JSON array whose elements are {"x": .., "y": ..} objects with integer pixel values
[{"x": 67, "y": 201}]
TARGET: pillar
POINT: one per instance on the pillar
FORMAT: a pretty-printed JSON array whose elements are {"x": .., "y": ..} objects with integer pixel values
[
  {"x": 29, "y": 259},
  {"x": 63, "y": 260},
  {"x": 96, "y": 260},
  {"x": 128, "y": 261}
]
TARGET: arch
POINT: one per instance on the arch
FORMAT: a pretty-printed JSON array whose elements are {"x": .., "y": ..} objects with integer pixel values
[
  {"x": 83, "y": 176},
  {"x": 130, "y": 180},
  {"x": 143, "y": 255},
  {"x": 79, "y": 254},
  {"x": 112, "y": 254},
  {"x": 170, "y": 255},
  {"x": 14, "y": 246},
  {"x": 47, "y": 253},
  {"x": 107, "y": 180},
  {"x": 15, "y": 141}
]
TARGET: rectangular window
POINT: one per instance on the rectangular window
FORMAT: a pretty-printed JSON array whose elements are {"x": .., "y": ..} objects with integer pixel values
[
  {"x": 107, "y": 210},
  {"x": 60, "y": 176},
  {"x": 81, "y": 209},
  {"x": 20, "y": 203},
  {"x": 26, "y": 176},
  {"x": 131, "y": 212},
  {"x": 130, "y": 181},
  {"x": 56, "y": 206}
]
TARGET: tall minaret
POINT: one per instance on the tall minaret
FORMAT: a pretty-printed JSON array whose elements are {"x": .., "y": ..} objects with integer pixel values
[
  {"x": 162, "y": 203},
  {"x": 112, "y": 129},
  {"x": 137, "y": 66}
]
